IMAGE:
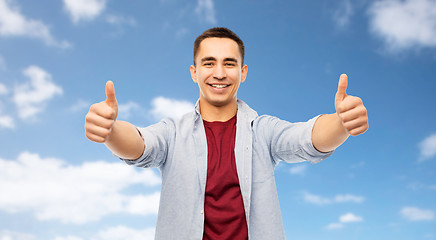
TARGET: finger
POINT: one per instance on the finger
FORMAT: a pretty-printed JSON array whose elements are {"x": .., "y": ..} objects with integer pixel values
[
  {"x": 359, "y": 111},
  {"x": 110, "y": 94},
  {"x": 359, "y": 130},
  {"x": 342, "y": 88},
  {"x": 355, "y": 123},
  {"x": 97, "y": 131},
  {"x": 350, "y": 102},
  {"x": 99, "y": 121},
  {"x": 94, "y": 138},
  {"x": 102, "y": 109}
]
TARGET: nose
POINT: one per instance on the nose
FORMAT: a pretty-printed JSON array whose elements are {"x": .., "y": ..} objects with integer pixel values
[{"x": 219, "y": 72}]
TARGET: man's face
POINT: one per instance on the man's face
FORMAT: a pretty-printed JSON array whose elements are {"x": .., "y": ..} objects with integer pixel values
[{"x": 218, "y": 71}]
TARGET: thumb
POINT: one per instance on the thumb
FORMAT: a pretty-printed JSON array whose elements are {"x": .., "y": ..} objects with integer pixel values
[
  {"x": 342, "y": 89},
  {"x": 110, "y": 95}
]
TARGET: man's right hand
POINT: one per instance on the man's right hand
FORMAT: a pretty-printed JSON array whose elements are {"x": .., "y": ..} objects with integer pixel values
[{"x": 102, "y": 116}]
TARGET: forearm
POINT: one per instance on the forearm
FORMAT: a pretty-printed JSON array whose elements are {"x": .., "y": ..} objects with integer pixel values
[
  {"x": 125, "y": 141},
  {"x": 328, "y": 133}
]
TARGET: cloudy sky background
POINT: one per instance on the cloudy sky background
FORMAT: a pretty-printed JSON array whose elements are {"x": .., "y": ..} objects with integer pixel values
[{"x": 55, "y": 57}]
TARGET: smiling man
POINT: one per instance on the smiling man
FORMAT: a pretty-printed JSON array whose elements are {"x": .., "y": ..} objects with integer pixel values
[
  {"x": 218, "y": 162},
  {"x": 218, "y": 71}
]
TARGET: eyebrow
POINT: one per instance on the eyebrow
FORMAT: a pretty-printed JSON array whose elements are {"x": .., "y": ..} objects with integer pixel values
[
  {"x": 205, "y": 59},
  {"x": 228, "y": 59}
]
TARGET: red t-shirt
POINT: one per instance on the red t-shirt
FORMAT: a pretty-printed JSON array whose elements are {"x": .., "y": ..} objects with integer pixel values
[{"x": 223, "y": 206}]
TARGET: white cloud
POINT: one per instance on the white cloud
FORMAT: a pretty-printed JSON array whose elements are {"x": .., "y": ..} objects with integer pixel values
[
  {"x": 181, "y": 32},
  {"x": 9, "y": 235},
  {"x": 299, "y": 169},
  {"x": 334, "y": 226},
  {"x": 348, "y": 198},
  {"x": 84, "y": 10},
  {"x": 404, "y": 24},
  {"x": 2, "y": 64},
  {"x": 125, "y": 110},
  {"x": 429, "y": 236},
  {"x": 12, "y": 23},
  {"x": 136, "y": 204},
  {"x": 122, "y": 233},
  {"x": 343, "y": 14},
  {"x": 117, "y": 233},
  {"x": 350, "y": 217},
  {"x": 418, "y": 186},
  {"x": 52, "y": 189},
  {"x": 315, "y": 199},
  {"x": 120, "y": 20},
  {"x": 166, "y": 107},
  {"x": 68, "y": 238},
  {"x": 358, "y": 165},
  {"x": 6, "y": 122},
  {"x": 344, "y": 219},
  {"x": 428, "y": 147},
  {"x": 80, "y": 105},
  {"x": 205, "y": 10},
  {"x": 417, "y": 214},
  {"x": 340, "y": 198},
  {"x": 3, "y": 89},
  {"x": 31, "y": 97}
]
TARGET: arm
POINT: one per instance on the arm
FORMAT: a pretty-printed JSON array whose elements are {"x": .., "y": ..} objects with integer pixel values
[
  {"x": 125, "y": 141},
  {"x": 101, "y": 126},
  {"x": 351, "y": 118}
]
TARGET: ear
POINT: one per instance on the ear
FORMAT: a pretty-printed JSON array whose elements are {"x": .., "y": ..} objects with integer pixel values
[
  {"x": 193, "y": 73},
  {"x": 244, "y": 73}
]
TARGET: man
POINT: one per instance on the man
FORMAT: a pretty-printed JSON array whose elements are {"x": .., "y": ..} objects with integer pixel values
[{"x": 217, "y": 163}]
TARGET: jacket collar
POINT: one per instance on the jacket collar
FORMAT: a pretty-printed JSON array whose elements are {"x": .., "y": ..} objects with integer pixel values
[{"x": 244, "y": 111}]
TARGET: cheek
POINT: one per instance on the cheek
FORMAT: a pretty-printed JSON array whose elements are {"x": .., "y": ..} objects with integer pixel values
[
  {"x": 236, "y": 74},
  {"x": 202, "y": 76}
]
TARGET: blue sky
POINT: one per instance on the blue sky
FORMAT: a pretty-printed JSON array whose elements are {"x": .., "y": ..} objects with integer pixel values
[{"x": 55, "y": 57}]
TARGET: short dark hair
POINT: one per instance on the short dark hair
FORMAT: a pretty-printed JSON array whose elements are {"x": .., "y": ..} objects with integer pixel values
[{"x": 219, "y": 32}]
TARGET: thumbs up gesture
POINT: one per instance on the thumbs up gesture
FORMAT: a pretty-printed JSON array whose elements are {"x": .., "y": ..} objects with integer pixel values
[
  {"x": 350, "y": 109},
  {"x": 101, "y": 116}
]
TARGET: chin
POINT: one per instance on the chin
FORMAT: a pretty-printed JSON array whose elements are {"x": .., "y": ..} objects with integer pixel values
[
  {"x": 221, "y": 103},
  {"x": 218, "y": 100}
]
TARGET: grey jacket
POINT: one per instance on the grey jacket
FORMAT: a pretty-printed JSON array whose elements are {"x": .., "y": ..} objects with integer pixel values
[{"x": 179, "y": 149}]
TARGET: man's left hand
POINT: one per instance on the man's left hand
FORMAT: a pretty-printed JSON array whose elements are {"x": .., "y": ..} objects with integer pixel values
[{"x": 350, "y": 109}]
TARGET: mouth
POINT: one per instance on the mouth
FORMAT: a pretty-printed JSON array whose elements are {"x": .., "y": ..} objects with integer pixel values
[{"x": 220, "y": 86}]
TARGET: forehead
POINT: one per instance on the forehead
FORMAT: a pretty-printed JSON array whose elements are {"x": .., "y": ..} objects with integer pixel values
[{"x": 219, "y": 48}]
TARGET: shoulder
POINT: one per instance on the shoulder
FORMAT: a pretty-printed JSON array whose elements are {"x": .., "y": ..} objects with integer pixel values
[
  {"x": 247, "y": 115},
  {"x": 183, "y": 124},
  {"x": 245, "y": 112}
]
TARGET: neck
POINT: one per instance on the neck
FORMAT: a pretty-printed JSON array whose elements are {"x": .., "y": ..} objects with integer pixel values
[{"x": 213, "y": 113}]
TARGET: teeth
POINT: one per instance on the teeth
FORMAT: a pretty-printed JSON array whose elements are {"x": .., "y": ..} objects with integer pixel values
[{"x": 219, "y": 86}]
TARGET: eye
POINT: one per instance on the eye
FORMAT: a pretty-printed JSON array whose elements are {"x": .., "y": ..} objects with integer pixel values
[
  {"x": 208, "y": 64},
  {"x": 230, "y": 64}
]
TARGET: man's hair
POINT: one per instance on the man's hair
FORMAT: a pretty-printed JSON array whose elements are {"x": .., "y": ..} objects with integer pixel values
[{"x": 219, "y": 32}]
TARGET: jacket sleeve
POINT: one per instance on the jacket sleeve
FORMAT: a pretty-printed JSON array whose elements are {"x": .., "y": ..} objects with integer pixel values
[
  {"x": 156, "y": 139},
  {"x": 291, "y": 142}
]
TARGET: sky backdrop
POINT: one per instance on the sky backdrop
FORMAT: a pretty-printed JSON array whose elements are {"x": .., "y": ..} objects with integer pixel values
[{"x": 55, "y": 57}]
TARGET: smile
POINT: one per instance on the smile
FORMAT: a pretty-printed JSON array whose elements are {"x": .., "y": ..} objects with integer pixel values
[{"x": 219, "y": 85}]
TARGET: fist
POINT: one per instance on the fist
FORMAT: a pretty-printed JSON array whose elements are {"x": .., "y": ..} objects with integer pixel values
[
  {"x": 101, "y": 116},
  {"x": 350, "y": 109}
]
